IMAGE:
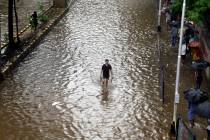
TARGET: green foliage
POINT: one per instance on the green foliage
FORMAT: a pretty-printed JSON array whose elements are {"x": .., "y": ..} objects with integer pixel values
[
  {"x": 198, "y": 10},
  {"x": 6, "y": 38},
  {"x": 43, "y": 18},
  {"x": 177, "y": 7},
  {"x": 31, "y": 23},
  {"x": 40, "y": 7},
  {"x": 195, "y": 9}
]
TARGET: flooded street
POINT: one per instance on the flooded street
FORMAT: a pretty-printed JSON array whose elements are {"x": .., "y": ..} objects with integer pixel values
[{"x": 55, "y": 93}]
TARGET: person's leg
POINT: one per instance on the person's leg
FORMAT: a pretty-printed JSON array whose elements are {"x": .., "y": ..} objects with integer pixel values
[
  {"x": 102, "y": 81},
  {"x": 192, "y": 123},
  {"x": 199, "y": 82},
  {"x": 166, "y": 23},
  {"x": 208, "y": 134},
  {"x": 191, "y": 115},
  {"x": 173, "y": 41},
  {"x": 102, "y": 84},
  {"x": 106, "y": 83},
  {"x": 183, "y": 58},
  {"x": 208, "y": 137},
  {"x": 197, "y": 86}
]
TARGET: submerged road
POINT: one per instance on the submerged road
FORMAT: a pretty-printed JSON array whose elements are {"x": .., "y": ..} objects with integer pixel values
[{"x": 55, "y": 92}]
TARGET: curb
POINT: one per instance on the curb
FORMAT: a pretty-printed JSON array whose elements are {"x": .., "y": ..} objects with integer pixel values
[{"x": 18, "y": 58}]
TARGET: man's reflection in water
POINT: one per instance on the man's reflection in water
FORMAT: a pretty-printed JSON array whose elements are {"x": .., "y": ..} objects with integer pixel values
[{"x": 104, "y": 96}]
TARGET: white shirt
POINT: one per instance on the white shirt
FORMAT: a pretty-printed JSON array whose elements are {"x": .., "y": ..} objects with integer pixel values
[
  {"x": 184, "y": 47},
  {"x": 208, "y": 127},
  {"x": 191, "y": 40}
]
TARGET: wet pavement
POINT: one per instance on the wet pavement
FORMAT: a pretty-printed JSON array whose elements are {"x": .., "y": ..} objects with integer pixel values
[{"x": 55, "y": 93}]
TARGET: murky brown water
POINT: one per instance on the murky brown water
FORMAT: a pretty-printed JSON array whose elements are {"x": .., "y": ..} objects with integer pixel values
[{"x": 56, "y": 94}]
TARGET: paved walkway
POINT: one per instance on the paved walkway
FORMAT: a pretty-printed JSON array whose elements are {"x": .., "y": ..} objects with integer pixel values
[{"x": 186, "y": 71}]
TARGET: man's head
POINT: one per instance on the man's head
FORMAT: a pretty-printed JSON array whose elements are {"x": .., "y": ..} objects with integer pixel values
[{"x": 106, "y": 61}]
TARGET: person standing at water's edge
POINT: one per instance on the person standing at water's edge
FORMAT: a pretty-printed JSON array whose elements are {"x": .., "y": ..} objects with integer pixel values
[{"x": 105, "y": 72}]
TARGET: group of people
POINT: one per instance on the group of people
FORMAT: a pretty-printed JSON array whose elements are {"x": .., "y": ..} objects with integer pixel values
[
  {"x": 189, "y": 42},
  {"x": 190, "y": 39}
]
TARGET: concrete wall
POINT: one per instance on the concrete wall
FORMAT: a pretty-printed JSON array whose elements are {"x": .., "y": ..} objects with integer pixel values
[{"x": 60, "y": 3}]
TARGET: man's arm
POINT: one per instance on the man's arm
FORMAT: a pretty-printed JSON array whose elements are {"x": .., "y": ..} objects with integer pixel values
[
  {"x": 101, "y": 73},
  {"x": 111, "y": 72}
]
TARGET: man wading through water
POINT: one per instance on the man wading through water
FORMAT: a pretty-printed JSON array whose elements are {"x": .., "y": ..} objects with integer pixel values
[{"x": 105, "y": 73}]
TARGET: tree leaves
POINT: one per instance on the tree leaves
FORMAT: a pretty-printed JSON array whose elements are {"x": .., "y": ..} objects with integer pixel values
[{"x": 196, "y": 9}]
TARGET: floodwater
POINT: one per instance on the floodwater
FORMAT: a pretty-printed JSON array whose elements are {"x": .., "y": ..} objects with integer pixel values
[{"x": 55, "y": 93}]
